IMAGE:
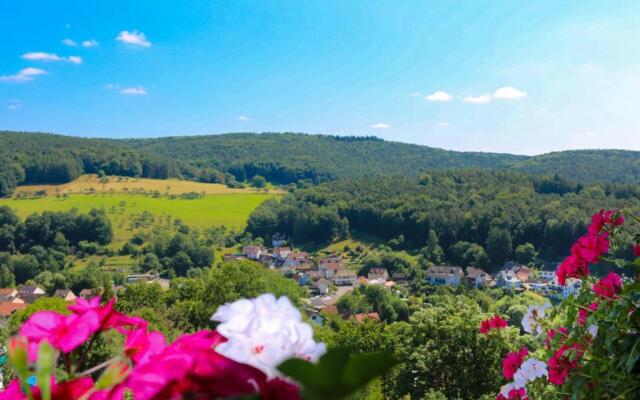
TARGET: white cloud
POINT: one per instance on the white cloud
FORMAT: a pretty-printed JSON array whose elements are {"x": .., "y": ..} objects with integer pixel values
[
  {"x": 133, "y": 38},
  {"x": 24, "y": 75},
  {"x": 415, "y": 94},
  {"x": 439, "y": 96},
  {"x": 590, "y": 133},
  {"x": 380, "y": 125},
  {"x": 482, "y": 99},
  {"x": 509, "y": 93},
  {"x": 42, "y": 56},
  {"x": 136, "y": 91},
  {"x": 14, "y": 105},
  {"x": 242, "y": 118},
  {"x": 89, "y": 43},
  {"x": 443, "y": 124},
  {"x": 69, "y": 42}
]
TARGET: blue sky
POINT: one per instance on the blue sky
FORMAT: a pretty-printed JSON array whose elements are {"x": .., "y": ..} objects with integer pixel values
[{"x": 525, "y": 77}]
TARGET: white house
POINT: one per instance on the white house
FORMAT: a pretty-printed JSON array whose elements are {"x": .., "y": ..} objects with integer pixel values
[
  {"x": 344, "y": 278},
  {"x": 378, "y": 273},
  {"x": 444, "y": 275},
  {"x": 253, "y": 252}
]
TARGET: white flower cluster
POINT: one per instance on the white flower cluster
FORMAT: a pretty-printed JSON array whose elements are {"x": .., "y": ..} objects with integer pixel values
[
  {"x": 529, "y": 371},
  {"x": 505, "y": 389},
  {"x": 264, "y": 332},
  {"x": 529, "y": 323}
]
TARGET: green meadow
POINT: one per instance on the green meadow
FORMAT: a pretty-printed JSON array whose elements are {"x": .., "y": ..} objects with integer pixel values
[{"x": 129, "y": 213}]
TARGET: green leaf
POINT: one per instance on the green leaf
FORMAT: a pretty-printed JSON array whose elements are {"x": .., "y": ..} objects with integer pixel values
[{"x": 363, "y": 368}]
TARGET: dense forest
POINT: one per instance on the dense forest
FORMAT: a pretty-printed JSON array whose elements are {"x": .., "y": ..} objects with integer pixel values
[
  {"x": 281, "y": 158},
  {"x": 467, "y": 217}
]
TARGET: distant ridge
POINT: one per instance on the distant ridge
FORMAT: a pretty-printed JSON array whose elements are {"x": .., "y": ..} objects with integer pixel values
[{"x": 281, "y": 158}]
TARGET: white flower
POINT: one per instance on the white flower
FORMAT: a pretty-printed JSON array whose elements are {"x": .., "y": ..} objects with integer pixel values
[
  {"x": 264, "y": 332},
  {"x": 593, "y": 330},
  {"x": 529, "y": 371},
  {"x": 529, "y": 323},
  {"x": 504, "y": 390}
]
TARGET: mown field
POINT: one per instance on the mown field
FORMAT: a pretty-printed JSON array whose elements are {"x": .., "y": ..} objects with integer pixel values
[
  {"x": 134, "y": 204},
  {"x": 116, "y": 184}
]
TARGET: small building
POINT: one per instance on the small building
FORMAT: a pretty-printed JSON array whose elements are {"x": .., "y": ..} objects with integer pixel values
[
  {"x": 330, "y": 269},
  {"x": 523, "y": 273},
  {"x": 278, "y": 240},
  {"x": 232, "y": 257},
  {"x": 477, "y": 277},
  {"x": 30, "y": 293},
  {"x": 360, "y": 318},
  {"x": 253, "y": 252},
  {"x": 378, "y": 273},
  {"x": 508, "y": 280},
  {"x": 445, "y": 275},
  {"x": 317, "y": 319},
  {"x": 65, "y": 294},
  {"x": 399, "y": 276},
  {"x": 281, "y": 253},
  {"x": 322, "y": 286},
  {"x": 8, "y": 292},
  {"x": 134, "y": 278},
  {"x": 344, "y": 278},
  {"x": 6, "y": 309},
  {"x": 88, "y": 293}
]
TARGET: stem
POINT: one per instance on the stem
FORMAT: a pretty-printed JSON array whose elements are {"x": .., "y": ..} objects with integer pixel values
[
  {"x": 99, "y": 366},
  {"x": 84, "y": 354}
]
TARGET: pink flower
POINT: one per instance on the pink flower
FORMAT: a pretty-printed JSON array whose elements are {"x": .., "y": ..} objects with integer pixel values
[
  {"x": 636, "y": 250},
  {"x": 513, "y": 361},
  {"x": 140, "y": 345},
  {"x": 64, "y": 332},
  {"x": 69, "y": 390},
  {"x": 591, "y": 246},
  {"x": 572, "y": 267},
  {"x": 608, "y": 286},
  {"x": 560, "y": 365},
  {"x": 583, "y": 314},
  {"x": 109, "y": 318},
  {"x": 494, "y": 322},
  {"x": 191, "y": 366},
  {"x": 13, "y": 392},
  {"x": 603, "y": 219}
]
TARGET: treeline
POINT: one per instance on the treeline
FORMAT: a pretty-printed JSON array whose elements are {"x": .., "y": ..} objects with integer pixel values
[
  {"x": 29, "y": 158},
  {"x": 36, "y": 249},
  {"x": 463, "y": 217}
]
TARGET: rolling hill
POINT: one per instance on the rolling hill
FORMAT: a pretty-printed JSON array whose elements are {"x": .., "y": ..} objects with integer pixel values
[{"x": 280, "y": 157}]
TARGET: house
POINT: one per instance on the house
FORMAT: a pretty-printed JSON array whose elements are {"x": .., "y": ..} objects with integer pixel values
[
  {"x": 317, "y": 319},
  {"x": 281, "y": 253},
  {"x": 508, "y": 280},
  {"x": 322, "y": 286},
  {"x": 65, "y": 294},
  {"x": 297, "y": 260},
  {"x": 360, "y": 318},
  {"x": 523, "y": 273},
  {"x": 378, "y": 273},
  {"x": 253, "y": 252},
  {"x": 332, "y": 258},
  {"x": 30, "y": 293},
  {"x": 88, "y": 293},
  {"x": 344, "y": 278},
  {"x": 8, "y": 292},
  {"x": 476, "y": 277},
  {"x": 445, "y": 275},
  {"x": 6, "y": 309},
  {"x": 330, "y": 269},
  {"x": 548, "y": 271}
]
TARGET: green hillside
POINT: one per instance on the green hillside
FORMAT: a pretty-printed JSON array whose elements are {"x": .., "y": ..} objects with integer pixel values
[{"x": 280, "y": 157}]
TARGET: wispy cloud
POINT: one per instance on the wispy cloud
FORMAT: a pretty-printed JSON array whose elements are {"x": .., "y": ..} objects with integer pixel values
[
  {"x": 14, "y": 105},
  {"x": 134, "y": 38},
  {"x": 69, "y": 42},
  {"x": 439, "y": 96},
  {"x": 242, "y": 118},
  {"x": 90, "y": 43},
  {"x": 24, "y": 75},
  {"x": 509, "y": 93},
  {"x": 380, "y": 125},
  {"x": 482, "y": 99},
  {"x": 50, "y": 57},
  {"x": 135, "y": 91},
  {"x": 443, "y": 124}
]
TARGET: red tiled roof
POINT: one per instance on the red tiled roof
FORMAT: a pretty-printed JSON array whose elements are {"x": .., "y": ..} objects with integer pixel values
[{"x": 6, "y": 309}]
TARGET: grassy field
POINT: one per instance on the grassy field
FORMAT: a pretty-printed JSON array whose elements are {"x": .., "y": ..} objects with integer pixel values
[
  {"x": 130, "y": 211},
  {"x": 115, "y": 184}
]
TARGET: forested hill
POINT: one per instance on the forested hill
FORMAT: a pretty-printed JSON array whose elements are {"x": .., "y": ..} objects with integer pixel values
[{"x": 280, "y": 157}]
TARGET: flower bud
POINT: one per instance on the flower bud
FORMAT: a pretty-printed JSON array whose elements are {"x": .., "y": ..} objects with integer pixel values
[{"x": 18, "y": 355}]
